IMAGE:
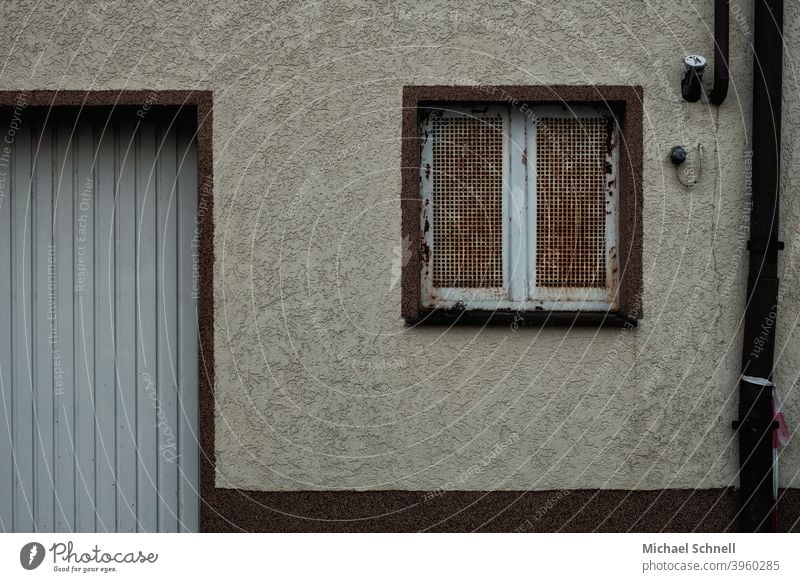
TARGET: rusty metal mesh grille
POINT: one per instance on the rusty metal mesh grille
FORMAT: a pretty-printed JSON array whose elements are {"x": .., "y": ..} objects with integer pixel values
[
  {"x": 570, "y": 211},
  {"x": 468, "y": 202}
]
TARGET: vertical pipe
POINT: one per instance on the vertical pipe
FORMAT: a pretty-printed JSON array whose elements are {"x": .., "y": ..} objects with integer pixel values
[
  {"x": 755, "y": 397},
  {"x": 721, "y": 52}
]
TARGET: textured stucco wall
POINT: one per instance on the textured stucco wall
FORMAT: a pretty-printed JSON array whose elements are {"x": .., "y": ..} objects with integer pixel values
[{"x": 319, "y": 383}]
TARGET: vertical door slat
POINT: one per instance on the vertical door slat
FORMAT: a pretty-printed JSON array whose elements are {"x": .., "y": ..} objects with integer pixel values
[
  {"x": 6, "y": 386},
  {"x": 45, "y": 354},
  {"x": 147, "y": 340},
  {"x": 84, "y": 326},
  {"x": 127, "y": 381},
  {"x": 22, "y": 420},
  {"x": 104, "y": 374},
  {"x": 64, "y": 408},
  {"x": 188, "y": 439},
  {"x": 167, "y": 404}
]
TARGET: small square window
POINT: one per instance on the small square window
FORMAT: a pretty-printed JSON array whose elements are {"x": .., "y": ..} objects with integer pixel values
[{"x": 518, "y": 209}]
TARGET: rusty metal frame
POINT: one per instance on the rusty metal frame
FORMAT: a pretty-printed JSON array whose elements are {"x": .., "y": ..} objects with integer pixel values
[{"x": 624, "y": 103}]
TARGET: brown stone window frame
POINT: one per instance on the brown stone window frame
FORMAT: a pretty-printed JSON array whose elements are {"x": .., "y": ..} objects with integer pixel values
[{"x": 625, "y": 104}]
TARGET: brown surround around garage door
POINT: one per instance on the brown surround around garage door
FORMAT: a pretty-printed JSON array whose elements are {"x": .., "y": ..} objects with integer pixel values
[
  {"x": 708, "y": 510},
  {"x": 202, "y": 103}
]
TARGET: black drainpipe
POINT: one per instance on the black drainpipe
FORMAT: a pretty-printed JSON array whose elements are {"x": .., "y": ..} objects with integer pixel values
[
  {"x": 755, "y": 426},
  {"x": 721, "y": 36}
]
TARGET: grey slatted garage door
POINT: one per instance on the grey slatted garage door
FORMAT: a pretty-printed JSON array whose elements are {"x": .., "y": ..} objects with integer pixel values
[{"x": 98, "y": 333}]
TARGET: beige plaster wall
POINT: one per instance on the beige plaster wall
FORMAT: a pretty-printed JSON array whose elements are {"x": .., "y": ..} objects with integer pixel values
[{"x": 319, "y": 383}]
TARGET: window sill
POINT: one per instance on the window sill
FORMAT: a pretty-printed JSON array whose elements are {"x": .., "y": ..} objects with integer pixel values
[{"x": 516, "y": 319}]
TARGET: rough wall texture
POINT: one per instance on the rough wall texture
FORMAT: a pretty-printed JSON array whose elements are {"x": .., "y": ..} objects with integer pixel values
[{"x": 319, "y": 384}]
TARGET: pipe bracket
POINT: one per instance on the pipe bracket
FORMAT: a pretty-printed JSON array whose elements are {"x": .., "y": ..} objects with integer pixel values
[
  {"x": 754, "y": 426},
  {"x": 765, "y": 245}
]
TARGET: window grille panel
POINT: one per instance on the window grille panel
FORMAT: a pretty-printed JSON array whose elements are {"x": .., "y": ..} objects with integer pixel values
[
  {"x": 468, "y": 202},
  {"x": 571, "y": 202}
]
